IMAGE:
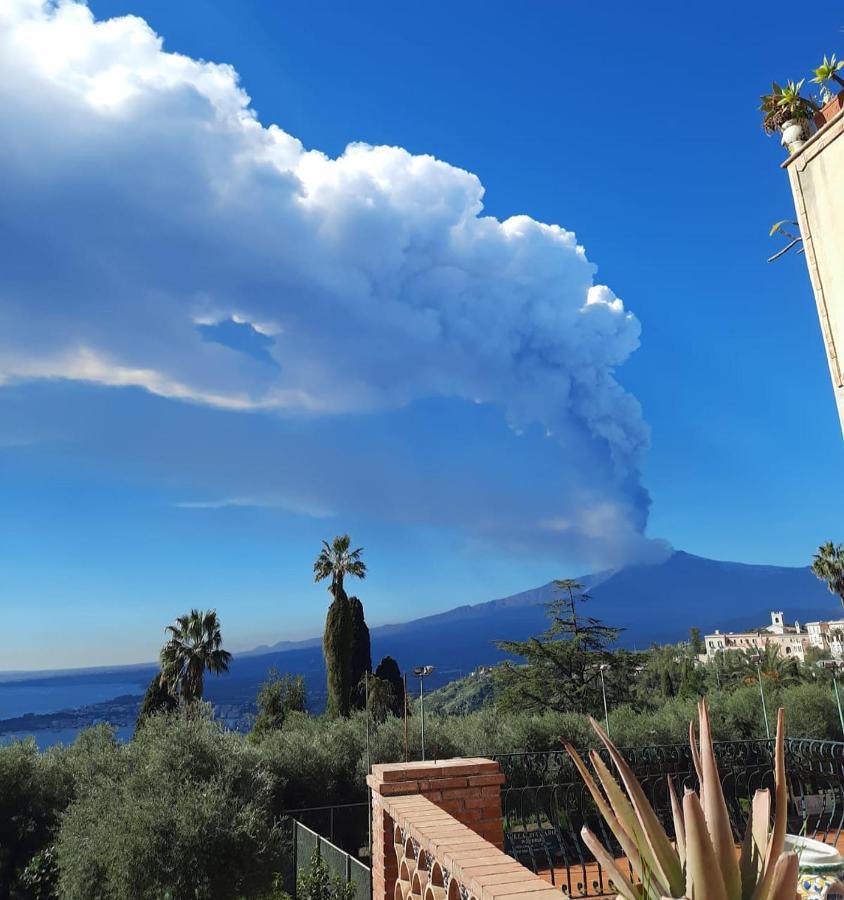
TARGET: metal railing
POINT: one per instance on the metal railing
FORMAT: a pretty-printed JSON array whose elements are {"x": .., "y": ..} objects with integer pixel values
[
  {"x": 545, "y": 803},
  {"x": 340, "y": 864}
]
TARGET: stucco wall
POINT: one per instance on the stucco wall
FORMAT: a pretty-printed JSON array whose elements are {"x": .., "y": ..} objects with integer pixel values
[{"x": 817, "y": 180}]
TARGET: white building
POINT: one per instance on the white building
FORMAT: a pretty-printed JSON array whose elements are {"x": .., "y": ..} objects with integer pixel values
[
  {"x": 827, "y": 636},
  {"x": 791, "y": 640},
  {"x": 815, "y": 173}
]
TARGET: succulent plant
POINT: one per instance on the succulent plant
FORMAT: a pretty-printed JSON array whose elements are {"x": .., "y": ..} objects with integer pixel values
[
  {"x": 785, "y": 103},
  {"x": 702, "y": 862},
  {"x": 828, "y": 71}
]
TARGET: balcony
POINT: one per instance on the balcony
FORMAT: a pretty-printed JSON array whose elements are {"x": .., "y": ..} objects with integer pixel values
[{"x": 509, "y": 825}]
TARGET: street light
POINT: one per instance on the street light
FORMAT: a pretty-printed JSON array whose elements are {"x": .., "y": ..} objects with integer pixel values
[
  {"x": 757, "y": 658},
  {"x": 604, "y": 692},
  {"x": 422, "y": 672}
]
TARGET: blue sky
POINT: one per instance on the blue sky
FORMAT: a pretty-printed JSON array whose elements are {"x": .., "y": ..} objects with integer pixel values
[{"x": 132, "y": 489}]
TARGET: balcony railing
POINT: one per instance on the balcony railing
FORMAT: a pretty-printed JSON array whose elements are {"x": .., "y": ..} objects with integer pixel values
[
  {"x": 506, "y": 826},
  {"x": 545, "y": 803}
]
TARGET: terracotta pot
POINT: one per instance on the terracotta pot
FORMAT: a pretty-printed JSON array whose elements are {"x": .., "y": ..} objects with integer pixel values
[{"x": 830, "y": 109}]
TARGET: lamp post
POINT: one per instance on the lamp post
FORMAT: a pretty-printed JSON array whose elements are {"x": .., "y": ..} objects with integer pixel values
[
  {"x": 604, "y": 692},
  {"x": 422, "y": 672},
  {"x": 757, "y": 658}
]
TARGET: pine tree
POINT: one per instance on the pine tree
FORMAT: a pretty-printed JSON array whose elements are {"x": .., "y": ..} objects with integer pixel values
[
  {"x": 562, "y": 668},
  {"x": 361, "y": 654}
]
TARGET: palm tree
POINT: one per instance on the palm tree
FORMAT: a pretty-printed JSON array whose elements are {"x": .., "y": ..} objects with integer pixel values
[
  {"x": 828, "y": 565},
  {"x": 195, "y": 644},
  {"x": 770, "y": 662},
  {"x": 336, "y": 560}
]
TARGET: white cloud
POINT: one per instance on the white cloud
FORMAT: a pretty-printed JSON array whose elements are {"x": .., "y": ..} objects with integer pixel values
[{"x": 144, "y": 199}]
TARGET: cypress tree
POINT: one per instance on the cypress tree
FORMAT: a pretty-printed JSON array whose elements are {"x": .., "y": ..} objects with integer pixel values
[
  {"x": 335, "y": 561},
  {"x": 337, "y": 649},
  {"x": 388, "y": 670},
  {"x": 361, "y": 654}
]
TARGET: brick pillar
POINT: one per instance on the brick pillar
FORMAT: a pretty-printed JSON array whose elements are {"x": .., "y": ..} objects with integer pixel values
[{"x": 467, "y": 789}]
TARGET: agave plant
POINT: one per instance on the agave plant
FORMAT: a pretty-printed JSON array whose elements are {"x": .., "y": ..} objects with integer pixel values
[
  {"x": 828, "y": 71},
  {"x": 785, "y": 103},
  {"x": 702, "y": 862}
]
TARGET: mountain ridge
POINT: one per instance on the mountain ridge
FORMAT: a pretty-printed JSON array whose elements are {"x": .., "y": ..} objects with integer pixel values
[{"x": 652, "y": 603}]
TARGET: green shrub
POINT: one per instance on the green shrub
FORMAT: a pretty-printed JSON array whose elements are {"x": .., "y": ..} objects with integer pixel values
[{"x": 184, "y": 810}]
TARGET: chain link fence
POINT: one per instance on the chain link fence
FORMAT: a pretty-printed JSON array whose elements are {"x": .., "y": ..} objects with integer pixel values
[{"x": 340, "y": 864}]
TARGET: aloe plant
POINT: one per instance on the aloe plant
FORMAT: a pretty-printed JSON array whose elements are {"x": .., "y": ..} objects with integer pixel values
[{"x": 702, "y": 862}]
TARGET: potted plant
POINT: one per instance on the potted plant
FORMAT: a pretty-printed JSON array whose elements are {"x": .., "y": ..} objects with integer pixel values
[
  {"x": 702, "y": 862},
  {"x": 786, "y": 110},
  {"x": 826, "y": 74}
]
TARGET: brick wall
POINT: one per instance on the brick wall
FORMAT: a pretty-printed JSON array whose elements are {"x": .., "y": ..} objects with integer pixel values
[
  {"x": 426, "y": 854},
  {"x": 469, "y": 790}
]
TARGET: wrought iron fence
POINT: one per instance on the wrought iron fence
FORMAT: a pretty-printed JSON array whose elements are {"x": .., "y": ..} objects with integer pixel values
[
  {"x": 340, "y": 864},
  {"x": 545, "y": 803}
]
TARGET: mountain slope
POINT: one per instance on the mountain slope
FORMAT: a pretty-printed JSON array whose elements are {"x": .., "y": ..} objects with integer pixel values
[{"x": 652, "y": 603}]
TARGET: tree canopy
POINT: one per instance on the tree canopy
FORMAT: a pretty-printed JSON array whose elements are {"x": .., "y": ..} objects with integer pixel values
[
  {"x": 828, "y": 566},
  {"x": 562, "y": 667},
  {"x": 195, "y": 646}
]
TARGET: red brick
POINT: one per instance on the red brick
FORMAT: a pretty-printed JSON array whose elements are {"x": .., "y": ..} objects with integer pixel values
[
  {"x": 475, "y": 800},
  {"x": 394, "y": 788},
  {"x": 438, "y": 784},
  {"x": 483, "y": 780},
  {"x": 452, "y": 793}
]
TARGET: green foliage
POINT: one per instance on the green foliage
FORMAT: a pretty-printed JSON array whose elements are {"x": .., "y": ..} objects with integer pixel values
[
  {"x": 361, "y": 654},
  {"x": 312, "y": 759},
  {"x": 465, "y": 695},
  {"x": 337, "y": 649},
  {"x": 184, "y": 810},
  {"x": 696, "y": 644},
  {"x": 381, "y": 697},
  {"x": 194, "y": 647},
  {"x": 157, "y": 698},
  {"x": 34, "y": 790},
  {"x": 40, "y": 879},
  {"x": 388, "y": 670},
  {"x": 317, "y": 884},
  {"x": 785, "y": 103},
  {"x": 278, "y": 696},
  {"x": 828, "y": 71},
  {"x": 562, "y": 669},
  {"x": 335, "y": 561},
  {"x": 188, "y": 810},
  {"x": 828, "y": 566}
]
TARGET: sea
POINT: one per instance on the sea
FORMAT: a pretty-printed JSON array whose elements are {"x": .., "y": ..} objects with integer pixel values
[{"x": 18, "y": 699}]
